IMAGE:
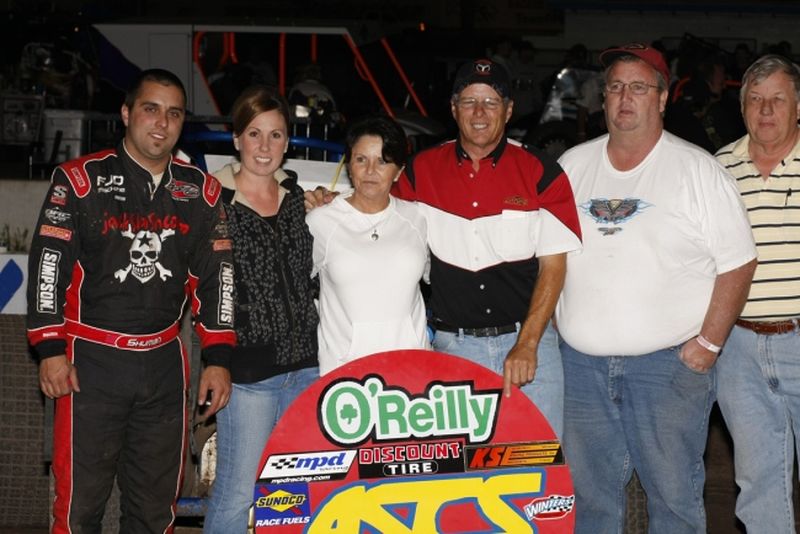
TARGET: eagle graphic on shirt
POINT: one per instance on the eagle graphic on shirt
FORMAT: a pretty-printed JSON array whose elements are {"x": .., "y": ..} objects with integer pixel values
[{"x": 613, "y": 211}]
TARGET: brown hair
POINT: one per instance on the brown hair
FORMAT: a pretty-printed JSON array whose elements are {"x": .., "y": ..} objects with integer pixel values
[{"x": 255, "y": 100}]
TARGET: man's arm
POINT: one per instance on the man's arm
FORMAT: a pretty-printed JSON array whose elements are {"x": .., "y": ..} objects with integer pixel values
[
  {"x": 54, "y": 250},
  {"x": 520, "y": 365},
  {"x": 727, "y": 300},
  {"x": 211, "y": 285}
]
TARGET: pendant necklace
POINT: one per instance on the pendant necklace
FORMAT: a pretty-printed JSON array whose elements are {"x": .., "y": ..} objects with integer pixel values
[{"x": 375, "y": 235}]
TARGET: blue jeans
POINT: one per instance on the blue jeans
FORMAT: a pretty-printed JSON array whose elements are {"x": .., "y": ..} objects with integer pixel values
[
  {"x": 547, "y": 389},
  {"x": 648, "y": 413},
  {"x": 759, "y": 394},
  {"x": 243, "y": 428}
]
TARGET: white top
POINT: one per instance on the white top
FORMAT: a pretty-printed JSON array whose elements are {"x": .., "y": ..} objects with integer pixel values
[
  {"x": 370, "y": 266},
  {"x": 654, "y": 240}
]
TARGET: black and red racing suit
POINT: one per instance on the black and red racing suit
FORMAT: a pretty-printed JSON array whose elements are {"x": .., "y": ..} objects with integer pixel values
[{"x": 113, "y": 260}]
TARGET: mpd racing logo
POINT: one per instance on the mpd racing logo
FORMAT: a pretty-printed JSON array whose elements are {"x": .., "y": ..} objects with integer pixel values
[
  {"x": 287, "y": 504},
  {"x": 548, "y": 508},
  {"x": 514, "y": 455},
  {"x": 613, "y": 211},
  {"x": 48, "y": 279},
  {"x": 306, "y": 467},
  {"x": 183, "y": 191},
  {"x": 411, "y": 459}
]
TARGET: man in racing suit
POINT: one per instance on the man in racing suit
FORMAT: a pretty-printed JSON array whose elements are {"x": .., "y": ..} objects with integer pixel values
[{"x": 125, "y": 236}]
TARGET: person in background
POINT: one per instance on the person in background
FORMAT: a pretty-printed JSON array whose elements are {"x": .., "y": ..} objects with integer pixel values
[
  {"x": 664, "y": 272},
  {"x": 758, "y": 386},
  {"x": 276, "y": 355},
  {"x": 308, "y": 90},
  {"x": 123, "y": 237},
  {"x": 370, "y": 252},
  {"x": 527, "y": 93}
]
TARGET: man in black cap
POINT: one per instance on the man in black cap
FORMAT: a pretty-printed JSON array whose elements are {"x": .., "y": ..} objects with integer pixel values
[{"x": 501, "y": 218}]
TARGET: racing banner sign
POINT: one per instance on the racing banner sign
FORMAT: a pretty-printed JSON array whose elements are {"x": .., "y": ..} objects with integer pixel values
[{"x": 412, "y": 441}]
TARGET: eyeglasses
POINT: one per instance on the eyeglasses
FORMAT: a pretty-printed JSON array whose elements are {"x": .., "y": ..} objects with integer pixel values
[
  {"x": 637, "y": 88},
  {"x": 486, "y": 103}
]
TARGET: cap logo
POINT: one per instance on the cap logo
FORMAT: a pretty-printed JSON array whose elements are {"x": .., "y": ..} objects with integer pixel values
[
  {"x": 634, "y": 46},
  {"x": 483, "y": 68}
]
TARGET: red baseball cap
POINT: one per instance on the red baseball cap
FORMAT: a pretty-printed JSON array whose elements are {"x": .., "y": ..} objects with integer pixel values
[{"x": 648, "y": 54}]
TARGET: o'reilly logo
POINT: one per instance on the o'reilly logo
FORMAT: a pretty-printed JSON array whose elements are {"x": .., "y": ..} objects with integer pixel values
[
  {"x": 352, "y": 411},
  {"x": 308, "y": 464},
  {"x": 48, "y": 281}
]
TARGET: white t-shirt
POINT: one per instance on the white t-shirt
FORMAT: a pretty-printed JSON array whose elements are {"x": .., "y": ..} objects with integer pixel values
[
  {"x": 370, "y": 266},
  {"x": 654, "y": 240}
]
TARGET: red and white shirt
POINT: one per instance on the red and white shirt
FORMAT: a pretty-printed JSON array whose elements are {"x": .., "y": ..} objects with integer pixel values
[{"x": 486, "y": 228}]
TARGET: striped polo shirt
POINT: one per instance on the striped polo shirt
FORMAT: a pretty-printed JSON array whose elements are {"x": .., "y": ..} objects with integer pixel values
[{"x": 773, "y": 206}]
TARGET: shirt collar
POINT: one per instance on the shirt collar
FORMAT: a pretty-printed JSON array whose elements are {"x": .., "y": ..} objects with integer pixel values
[
  {"x": 495, "y": 154},
  {"x": 741, "y": 149},
  {"x": 227, "y": 181},
  {"x": 140, "y": 169}
]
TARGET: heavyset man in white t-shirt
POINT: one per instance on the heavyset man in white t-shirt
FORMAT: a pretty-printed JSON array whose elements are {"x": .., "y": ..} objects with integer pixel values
[{"x": 666, "y": 265}]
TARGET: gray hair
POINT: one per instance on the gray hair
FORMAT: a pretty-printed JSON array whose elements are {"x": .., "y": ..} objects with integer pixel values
[
  {"x": 660, "y": 81},
  {"x": 766, "y": 66}
]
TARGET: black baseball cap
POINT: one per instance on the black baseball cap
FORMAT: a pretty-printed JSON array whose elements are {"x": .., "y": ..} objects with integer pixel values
[{"x": 483, "y": 71}]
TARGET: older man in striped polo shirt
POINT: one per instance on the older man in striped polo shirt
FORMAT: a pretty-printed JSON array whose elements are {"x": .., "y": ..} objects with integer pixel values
[{"x": 759, "y": 373}]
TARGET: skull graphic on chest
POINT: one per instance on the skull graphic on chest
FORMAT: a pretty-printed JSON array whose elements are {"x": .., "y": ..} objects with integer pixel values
[{"x": 144, "y": 255}]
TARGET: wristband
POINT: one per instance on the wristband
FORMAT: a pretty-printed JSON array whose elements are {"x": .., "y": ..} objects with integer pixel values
[{"x": 706, "y": 344}]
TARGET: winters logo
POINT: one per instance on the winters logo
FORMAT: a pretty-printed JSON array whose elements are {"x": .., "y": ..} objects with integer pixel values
[
  {"x": 551, "y": 507},
  {"x": 144, "y": 253}
]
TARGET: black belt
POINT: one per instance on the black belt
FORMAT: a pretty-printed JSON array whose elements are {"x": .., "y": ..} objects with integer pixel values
[{"x": 486, "y": 331}]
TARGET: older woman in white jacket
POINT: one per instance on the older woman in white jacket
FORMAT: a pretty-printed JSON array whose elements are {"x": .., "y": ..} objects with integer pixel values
[{"x": 370, "y": 252}]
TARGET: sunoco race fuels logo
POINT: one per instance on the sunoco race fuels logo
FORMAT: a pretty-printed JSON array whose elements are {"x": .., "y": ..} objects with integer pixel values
[
  {"x": 286, "y": 504},
  {"x": 352, "y": 411},
  {"x": 326, "y": 463}
]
